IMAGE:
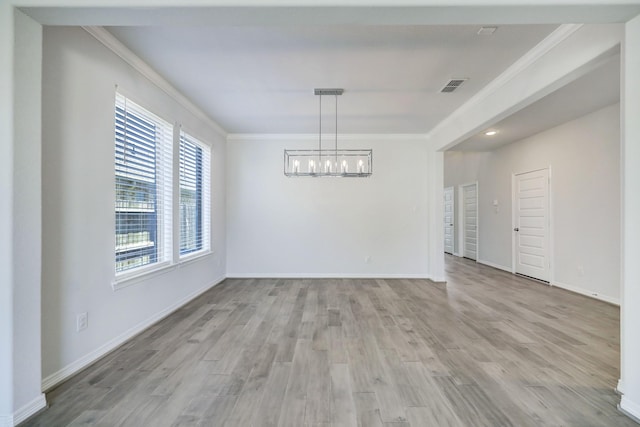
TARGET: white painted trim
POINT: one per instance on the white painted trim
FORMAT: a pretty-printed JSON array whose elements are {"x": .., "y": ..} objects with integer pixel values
[
  {"x": 586, "y": 292},
  {"x": 314, "y": 137},
  {"x": 113, "y": 44},
  {"x": 513, "y": 222},
  {"x": 75, "y": 367},
  {"x": 620, "y": 386},
  {"x": 552, "y": 241},
  {"x": 132, "y": 278},
  {"x": 30, "y": 409},
  {"x": 6, "y": 421},
  {"x": 460, "y": 221},
  {"x": 629, "y": 408},
  {"x": 552, "y": 40},
  {"x": 494, "y": 265},
  {"x": 331, "y": 276}
]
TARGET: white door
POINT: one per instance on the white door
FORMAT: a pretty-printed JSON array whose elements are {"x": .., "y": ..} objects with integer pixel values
[
  {"x": 448, "y": 220},
  {"x": 531, "y": 224},
  {"x": 470, "y": 213}
]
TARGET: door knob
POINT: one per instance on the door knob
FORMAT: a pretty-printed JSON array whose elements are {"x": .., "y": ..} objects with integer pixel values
[{"x": 516, "y": 229}]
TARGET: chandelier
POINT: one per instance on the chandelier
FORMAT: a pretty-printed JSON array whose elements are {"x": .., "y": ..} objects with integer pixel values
[{"x": 331, "y": 162}]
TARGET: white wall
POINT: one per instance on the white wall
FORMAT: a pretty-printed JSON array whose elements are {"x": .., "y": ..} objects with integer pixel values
[
  {"x": 79, "y": 80},
  {"x": 584, "y": 156},
  {"x": 27, "y": 208},
  {"x": 6, "y": 212},
  {"x": 629, "y": 383},
  {"x": 305, "y": 227}
]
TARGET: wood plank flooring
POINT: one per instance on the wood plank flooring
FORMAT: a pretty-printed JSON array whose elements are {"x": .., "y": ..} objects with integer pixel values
[{"x": 487, "y": 349}]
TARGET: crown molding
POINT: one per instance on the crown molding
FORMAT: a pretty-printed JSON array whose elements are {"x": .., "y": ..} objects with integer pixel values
[
  {"x": 116, "y": 46},
  {"x": 314, "y": 137},
  {"x": 521, "y": 65}
]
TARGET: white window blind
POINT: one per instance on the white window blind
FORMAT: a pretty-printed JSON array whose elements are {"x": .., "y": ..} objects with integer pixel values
[
  {"x": 143, "y": 168},
  {"x": 195, "y": 195}
]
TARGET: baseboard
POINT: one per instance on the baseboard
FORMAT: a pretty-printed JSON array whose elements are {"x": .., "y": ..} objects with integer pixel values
[
  {"x": 630, "y": 409},
  {"x": 587, "y": 293},
  {"x": 325, "y": 276},
  {"x": 620, "y": 387},
  {"x": 30, "y": 409},
  {"x": 494, "y": 265},
  {"x": 63, "y": 374}
]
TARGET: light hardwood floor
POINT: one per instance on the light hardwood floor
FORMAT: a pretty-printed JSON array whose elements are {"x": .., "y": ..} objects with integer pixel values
[{"x": 487, "y": 349}]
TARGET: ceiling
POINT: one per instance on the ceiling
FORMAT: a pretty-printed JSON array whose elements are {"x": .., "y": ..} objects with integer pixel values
[
  {"x": 596, "y": 89},
  {"x": 252, "y": 64},
  {"x": 260, "y": 79}
]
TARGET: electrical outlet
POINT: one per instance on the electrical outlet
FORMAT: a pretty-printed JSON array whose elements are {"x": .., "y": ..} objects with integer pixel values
[{"x": 82, "y": 321}]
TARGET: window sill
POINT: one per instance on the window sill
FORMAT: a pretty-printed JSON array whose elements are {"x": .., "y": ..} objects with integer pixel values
[
  {"x": 137, "y": 277},
  {"x": 127, "y": 280},
  {"x": 188, "y": 259}
]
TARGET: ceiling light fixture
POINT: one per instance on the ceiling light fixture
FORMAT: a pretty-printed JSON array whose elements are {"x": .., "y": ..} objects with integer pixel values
[
  {"x": 331, "y": 162},
  {"x": 491, "y": 132}
]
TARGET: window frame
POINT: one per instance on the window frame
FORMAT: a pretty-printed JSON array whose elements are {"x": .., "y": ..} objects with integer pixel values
[
  {"x": 205, "y": 202},
  {"x": 169, "y": 231},
  {"x": 162, "y": 183}
]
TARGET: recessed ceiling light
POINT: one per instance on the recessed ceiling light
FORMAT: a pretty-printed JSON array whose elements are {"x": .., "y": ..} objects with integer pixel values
[
  {"x": 487, "y": 31},
  {"x": 491, "y": 132}
]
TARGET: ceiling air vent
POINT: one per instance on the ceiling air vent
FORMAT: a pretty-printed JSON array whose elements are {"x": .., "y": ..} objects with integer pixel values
[{"x": 452, "y": 85}]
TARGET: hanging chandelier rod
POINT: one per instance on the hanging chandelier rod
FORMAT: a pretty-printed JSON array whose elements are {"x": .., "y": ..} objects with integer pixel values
[{"x": 320, "y": 92}]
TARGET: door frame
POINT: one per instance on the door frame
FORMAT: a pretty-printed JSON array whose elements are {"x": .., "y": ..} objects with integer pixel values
[
  {"x": 453, "y": 216},
  {"x": 461, "y": 219},
  {"x": 550, "y": 251}
]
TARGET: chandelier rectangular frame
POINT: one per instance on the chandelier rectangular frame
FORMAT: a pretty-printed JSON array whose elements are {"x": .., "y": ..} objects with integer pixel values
[
  {"x": 336, "y": 163},
  {"x": 342, "y": 163}
]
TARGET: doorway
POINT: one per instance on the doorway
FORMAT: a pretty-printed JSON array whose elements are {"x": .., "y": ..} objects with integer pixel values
[{"x": 531, "y": 224}]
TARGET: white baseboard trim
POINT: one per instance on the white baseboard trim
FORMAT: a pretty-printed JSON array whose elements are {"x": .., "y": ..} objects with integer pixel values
[
  {"x": 620, "y": 387},
  {"x": 325, "y": 276},
  {"x": 31, "y": 408},
  {"x": 587, "y": 293},
  {"x": 494, "y": 265},
  {"x": 63, "y": 374},
  {"x": 630, "y": 409}
]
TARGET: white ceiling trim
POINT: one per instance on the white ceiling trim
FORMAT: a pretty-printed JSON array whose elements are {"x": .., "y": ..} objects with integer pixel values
[
  {"x": 522, "y": 64},
  {"x": 113, "y": 44},
  {"x": 314, "y": 137}
]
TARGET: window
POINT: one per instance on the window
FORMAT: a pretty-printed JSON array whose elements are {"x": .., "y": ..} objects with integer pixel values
[
  {"x": 195, "y": 164},
  {"x": 143, "y": 166}
]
